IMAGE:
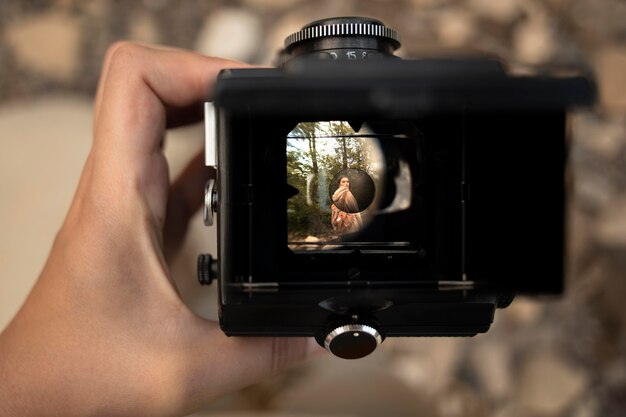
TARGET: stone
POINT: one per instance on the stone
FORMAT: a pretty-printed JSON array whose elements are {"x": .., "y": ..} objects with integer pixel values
[
  {"x": 599, "y": 20},
  {"x": 523, "y": 311},
  {"x": 364, "y": 388},
  {"x": 275, "y": 37},
  {"x": 586, "y": 408},
  {"x": 534, "y": 42},
  {"x": 456, "y": 28},
  {"x": 47, "y": 44},
  {"x": 95, "y": 8},
  {"x": 513, "y": 410},
  {"x": 460, "y": 400},
  {"x": 155, "y": 4},
  {"x": 230, "y": 33},
  {"x": 426, "y": 364},
  {"x": 271, "y": 4},
  {"x": 604, "y": 136},
  {"x": 5, "y": 70},
  {"x": 263, "y": 414},
  {"x": 578, "y": 241},
  {"x": 548, "y": 385},
  {"x": 427, "y": 3},
  {"x": 610, "y": 66},
  {"x": 492, "y": 364},
  {"x": 144, "y": 29},
  {"x": 502, "y": 11},
  {"x": 610, "y": 228}
]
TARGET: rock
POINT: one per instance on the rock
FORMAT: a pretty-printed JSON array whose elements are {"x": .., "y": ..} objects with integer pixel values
[
  {"x": 586, "y": 408},
  {"x": 460, "y": 400},
  {"x": 534, "y": 41},
  {"x": 502, "y": 11},
  {"x": 364, "y": 388},
  {"x": 143, "y": 28},
  {"x": 275, "y": 38},
  {"x": 5, "y": 70},
  {"x": 578, "y": 242},
  {"x": 426, "y": 364},
  {"x": 155, "y": 4},
  {"x": 95, "y": 8},
  {"x": 292, "y": 22},
  {"x": 523, "y": 311},
  {"x": 271, "y": 4},
  {"x": 230, "y": 33},
  {"x": 594, "y": 180},
  {"x": 514, "y": 410},
  {"x": 427, "y": 3},
  {"x": 599, "y": 20},
  {"x": 491, "y": 361},
  {"x": 610, "y": 66},
  {"x": 610, "y": 228},
  {"x": 548, "y": 385},
  {"x": 604, "y": 136},
  {"x": 262, "y": 414},
  {"x": 47, "y": 44},
  {"x": 456, "y": 27}
]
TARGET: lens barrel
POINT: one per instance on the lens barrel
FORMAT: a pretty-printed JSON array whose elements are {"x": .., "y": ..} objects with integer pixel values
[{"x": 342, "y": 38}]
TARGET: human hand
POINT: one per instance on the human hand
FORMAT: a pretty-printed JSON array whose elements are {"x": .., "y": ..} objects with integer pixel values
[{"x": 104, "y": 331}]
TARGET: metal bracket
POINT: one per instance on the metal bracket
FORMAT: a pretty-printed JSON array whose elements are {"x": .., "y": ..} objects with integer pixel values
[
  {"x": 210, "y": 135},
  {"x": 210, "y": 202}
]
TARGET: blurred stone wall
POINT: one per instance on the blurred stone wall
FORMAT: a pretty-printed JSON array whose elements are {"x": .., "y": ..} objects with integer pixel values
[{"x": 556, "y": 357}]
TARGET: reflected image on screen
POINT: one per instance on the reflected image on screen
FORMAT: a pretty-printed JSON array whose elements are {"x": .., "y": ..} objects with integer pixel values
[{"x": 338, "y": 187}]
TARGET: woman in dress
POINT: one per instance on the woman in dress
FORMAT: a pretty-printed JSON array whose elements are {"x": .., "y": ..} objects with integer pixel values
[{"x": 345, "y": 217}]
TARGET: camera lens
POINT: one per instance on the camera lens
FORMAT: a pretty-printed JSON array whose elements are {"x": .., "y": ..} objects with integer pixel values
[{"x": 343, "y": 38}]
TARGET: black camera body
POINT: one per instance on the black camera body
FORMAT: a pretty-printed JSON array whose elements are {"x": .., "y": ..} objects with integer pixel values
[{"x": 362, "y": 196}]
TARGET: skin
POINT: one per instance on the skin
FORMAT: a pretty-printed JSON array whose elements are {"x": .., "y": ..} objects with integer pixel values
[
  {"x": 104, "y": 331},
  {"x": 344, "y": 182}
]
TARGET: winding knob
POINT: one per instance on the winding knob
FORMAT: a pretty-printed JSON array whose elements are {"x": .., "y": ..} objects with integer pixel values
[
  {"x": 207, "y": 269},
  {"x": 352, "y": 341}
]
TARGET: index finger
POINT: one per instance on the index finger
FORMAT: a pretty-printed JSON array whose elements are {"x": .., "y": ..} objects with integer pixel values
[{"x": 141, "y": 87}]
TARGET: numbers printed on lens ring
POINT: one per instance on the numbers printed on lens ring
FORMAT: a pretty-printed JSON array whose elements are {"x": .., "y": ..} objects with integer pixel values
[{"x": 350, "y": 55}]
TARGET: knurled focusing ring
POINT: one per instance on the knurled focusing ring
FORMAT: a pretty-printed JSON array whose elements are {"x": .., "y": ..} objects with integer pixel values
[
  {"x": 343, "y": 29},
  {"x": 343, "y": 32}
]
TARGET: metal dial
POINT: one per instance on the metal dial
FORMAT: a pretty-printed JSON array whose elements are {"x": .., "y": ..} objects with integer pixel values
[
  {"x": 372, "y": 28},
  {"x": 343, "y": 38},
  {"x": 352, "y": 341}
]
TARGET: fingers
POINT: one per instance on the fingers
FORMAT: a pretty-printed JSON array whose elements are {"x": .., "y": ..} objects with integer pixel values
[
  {"x": 141, "y": 84},
  {"x": 225, "y": 364},
  {"x": 114, "y": 53},
  {"x": 143, "y": 89},
  {"x": 185, "y": 198}
]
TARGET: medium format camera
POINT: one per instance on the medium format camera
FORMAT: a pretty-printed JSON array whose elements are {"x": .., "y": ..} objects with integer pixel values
[{"x": 361, "y": 196}]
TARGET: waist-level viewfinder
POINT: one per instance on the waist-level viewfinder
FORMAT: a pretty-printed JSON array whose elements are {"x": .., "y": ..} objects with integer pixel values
[{"x": 361, "y": 196}]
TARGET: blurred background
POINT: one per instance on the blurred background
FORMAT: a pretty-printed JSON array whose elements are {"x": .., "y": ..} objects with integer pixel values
[{"x": 556, "y": 357}]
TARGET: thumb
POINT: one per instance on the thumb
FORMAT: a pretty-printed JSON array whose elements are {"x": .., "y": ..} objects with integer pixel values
[{"x": 225, "y": 364}]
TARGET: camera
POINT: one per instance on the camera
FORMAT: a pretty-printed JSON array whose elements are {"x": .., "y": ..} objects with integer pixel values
[{"x": 361, "y": 196}]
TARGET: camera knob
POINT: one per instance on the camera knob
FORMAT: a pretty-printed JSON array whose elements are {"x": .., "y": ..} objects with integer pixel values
[
  {"x": 207, "y": 269},
  {"x": 210, "y": 202},
  {"x": 352, "y": 341},
  {"x": 342, "y": 38}
]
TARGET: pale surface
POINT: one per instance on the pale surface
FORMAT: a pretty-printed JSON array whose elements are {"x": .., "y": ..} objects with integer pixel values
[{"x": 44, "y": 143}]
